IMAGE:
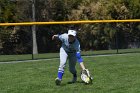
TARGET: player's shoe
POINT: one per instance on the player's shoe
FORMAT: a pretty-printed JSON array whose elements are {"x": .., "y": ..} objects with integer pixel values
[
  {"x": 57, "y": 81},
  {"x": 74, "y": 79}
]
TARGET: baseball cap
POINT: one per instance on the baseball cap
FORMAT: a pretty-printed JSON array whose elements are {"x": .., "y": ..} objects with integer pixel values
[{"x": 72, "y": 32}]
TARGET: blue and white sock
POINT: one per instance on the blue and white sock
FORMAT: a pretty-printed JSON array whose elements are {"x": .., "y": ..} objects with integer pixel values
[{"x": 60, "y": 74}]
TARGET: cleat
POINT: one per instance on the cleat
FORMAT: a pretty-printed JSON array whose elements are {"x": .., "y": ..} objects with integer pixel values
[
  {"x": 73, "y": 80},
  {"x": 57, "y": 81}
]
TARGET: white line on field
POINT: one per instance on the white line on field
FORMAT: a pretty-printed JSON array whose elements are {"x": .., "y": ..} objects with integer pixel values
[
  {"x": 24, "y": 61},
  {"x": 104, "y": 55}
]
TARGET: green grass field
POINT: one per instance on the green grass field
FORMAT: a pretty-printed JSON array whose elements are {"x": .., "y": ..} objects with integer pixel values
[{"x": 112, "y": 74}]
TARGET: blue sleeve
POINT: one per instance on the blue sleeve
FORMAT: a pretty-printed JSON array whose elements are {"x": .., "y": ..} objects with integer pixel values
[{"x": 79, "y": 58}]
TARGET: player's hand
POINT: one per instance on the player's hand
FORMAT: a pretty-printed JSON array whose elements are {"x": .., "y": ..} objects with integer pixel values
[{"x": 54, "y": 36}]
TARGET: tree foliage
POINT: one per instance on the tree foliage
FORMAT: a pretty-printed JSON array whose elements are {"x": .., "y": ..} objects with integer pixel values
[{"x": 92, "y": 36}]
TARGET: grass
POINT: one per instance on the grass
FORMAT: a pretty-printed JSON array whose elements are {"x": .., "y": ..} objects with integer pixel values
[
  {"x": 4, "y": 58},
  {"x": 112, "y": 74}
]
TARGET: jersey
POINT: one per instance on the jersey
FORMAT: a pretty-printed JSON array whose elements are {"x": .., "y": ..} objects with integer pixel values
[{"x": 69, "y": 48}]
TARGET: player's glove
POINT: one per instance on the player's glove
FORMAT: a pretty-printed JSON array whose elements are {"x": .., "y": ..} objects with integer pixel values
[{"x": 86, "y": 77}]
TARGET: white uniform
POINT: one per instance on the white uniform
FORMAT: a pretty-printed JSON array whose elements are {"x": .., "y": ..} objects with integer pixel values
[{"x": 68, "y": 51}]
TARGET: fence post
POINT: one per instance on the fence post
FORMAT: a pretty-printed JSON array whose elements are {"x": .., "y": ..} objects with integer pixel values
[{"x": 117, "y": 41}]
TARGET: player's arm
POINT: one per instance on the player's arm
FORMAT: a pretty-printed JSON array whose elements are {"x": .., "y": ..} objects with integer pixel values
[
  {"x": 59, "y": 36},
  {"x": 85, "y": 72},
  {"x": 55, "y": 36},
  {"x": 80, "y": 60}
]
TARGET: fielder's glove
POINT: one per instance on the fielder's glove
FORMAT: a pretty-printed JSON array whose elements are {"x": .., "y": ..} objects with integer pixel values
[{"x": 86, "y": 77}]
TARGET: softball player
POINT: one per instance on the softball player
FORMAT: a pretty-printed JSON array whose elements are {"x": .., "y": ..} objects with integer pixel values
[{"x": 70, "y": 49}]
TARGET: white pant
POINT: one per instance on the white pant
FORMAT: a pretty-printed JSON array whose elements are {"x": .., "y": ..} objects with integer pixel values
[{"x": 72, "y": 60}]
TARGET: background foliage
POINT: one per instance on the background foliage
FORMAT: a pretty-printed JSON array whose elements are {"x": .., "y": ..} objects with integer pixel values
[{"x": 18, "y": 39}]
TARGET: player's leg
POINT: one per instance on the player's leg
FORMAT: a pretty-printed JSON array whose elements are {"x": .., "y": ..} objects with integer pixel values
[
  {"x": 63, "y": 59},
  {"x": 72, "y": 69}
]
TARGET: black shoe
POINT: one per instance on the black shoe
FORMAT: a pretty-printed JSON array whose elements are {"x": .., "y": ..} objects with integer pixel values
[
  {"x": 57, "y": 81},
  {"x": 73, "y": 80}
]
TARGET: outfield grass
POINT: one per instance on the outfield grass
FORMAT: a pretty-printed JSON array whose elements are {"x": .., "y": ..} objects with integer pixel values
[{"x": 112, "y": 74}]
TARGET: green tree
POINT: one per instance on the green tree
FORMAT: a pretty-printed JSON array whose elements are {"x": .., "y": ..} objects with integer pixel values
[
  {"x": 7, "y": 14},
  {"x": 92, "y": 36}
]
